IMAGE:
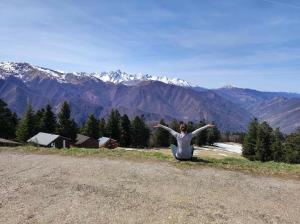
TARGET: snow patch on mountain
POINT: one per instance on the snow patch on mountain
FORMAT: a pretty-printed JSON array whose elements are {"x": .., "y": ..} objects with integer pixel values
[
  {"x": 23, "y": 71},
  {"x": 17, "y": 69}
]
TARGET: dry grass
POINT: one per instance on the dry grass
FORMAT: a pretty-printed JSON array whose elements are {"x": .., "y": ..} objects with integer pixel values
[{"x": 210, "y": 157}]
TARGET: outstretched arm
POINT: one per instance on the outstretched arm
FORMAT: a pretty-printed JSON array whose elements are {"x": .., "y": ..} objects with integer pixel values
[
  {"x": 172, "y": 132},
  {"x": 197, "y": 131}
]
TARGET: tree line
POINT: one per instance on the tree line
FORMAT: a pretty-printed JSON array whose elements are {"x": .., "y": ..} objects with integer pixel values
[
  {"x": 260, "y": 142},
  {"x": 263, "y": 143},
  {"x": 44, "y": 120},
  {"x": 129, "y": 133},
  {"x": 136, "y": 133}
]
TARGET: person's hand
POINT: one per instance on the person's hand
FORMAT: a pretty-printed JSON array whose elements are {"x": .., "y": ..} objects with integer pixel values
[
  {"x": 210, "y": 125},
  {"x": 157, "y": 126}
]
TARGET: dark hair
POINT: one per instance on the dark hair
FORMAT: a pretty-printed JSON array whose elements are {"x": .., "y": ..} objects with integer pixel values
[{"x": 183, "y": 127}]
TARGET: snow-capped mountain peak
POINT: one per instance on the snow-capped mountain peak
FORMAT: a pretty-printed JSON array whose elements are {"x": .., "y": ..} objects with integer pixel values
[
  {"x": 26, "y": 72},
  {"x": 13, "y": 67},
  {"x": 119, "y": 76}
]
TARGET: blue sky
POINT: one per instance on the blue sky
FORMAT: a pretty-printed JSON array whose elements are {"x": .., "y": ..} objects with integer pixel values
[{"x": 246, "y": 43}]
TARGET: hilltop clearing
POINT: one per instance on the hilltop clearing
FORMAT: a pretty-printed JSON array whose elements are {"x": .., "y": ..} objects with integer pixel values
[{"x": 50, "y": 188}]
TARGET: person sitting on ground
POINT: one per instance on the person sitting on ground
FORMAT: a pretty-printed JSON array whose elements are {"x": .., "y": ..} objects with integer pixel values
[{"x": 184, "y": 151}]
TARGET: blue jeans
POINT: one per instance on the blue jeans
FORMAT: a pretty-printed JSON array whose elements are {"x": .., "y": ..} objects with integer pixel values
[{"x": 174, "y": 150}]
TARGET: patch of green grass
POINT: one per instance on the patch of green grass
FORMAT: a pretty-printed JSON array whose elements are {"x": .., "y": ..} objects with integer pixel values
[
  {"x": 230, "y": 163},
  {"x": 267, "y": 168}
]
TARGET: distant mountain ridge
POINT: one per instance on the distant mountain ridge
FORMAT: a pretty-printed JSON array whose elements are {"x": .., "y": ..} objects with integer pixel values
[
  {"x": 280, "y": 109},
  {"x": 116, "y": 77},
  {"x": 153, "y": 96}
]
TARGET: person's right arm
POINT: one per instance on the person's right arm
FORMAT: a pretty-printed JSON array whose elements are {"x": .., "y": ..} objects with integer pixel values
[{"x": 172, "y": 132}]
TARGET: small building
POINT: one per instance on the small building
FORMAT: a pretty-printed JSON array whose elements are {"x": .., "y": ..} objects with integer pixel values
[
  {"x": 108, "y": 143},
  {"x": 83, "y": 141},
  {"x": 50, "y": 140},
  {"x": 6, "y": 142}
]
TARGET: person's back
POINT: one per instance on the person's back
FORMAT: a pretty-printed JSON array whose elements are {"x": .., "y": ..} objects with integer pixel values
[{"x": 184, "y": 150}]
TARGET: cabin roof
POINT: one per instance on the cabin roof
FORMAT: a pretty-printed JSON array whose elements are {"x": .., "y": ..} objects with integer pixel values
[
  {"x": 2, "y": 140},
  {"x": 104, "y": 140},
  {"x": 81, "y": 139},
  {"x": 43, "y": 138}
]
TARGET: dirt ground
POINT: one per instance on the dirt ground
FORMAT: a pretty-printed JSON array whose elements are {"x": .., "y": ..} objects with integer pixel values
[{"x": 64, "y": 189}]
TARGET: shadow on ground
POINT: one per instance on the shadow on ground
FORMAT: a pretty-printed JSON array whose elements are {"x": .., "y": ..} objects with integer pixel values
[{"x": 196, "y": 160}]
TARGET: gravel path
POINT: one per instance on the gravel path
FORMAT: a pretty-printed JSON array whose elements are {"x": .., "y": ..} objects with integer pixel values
[{"x": 65, "y": 189}]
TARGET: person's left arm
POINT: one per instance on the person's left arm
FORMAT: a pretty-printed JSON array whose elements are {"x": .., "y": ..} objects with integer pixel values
[{"x": 197, "y": 131}]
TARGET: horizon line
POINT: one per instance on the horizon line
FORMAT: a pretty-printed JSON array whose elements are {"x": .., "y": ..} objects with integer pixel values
[{"x": 229, "y": 85}]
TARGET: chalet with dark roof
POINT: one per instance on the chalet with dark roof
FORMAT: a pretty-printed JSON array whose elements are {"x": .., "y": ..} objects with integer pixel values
[{"x": 83, "y": 141}]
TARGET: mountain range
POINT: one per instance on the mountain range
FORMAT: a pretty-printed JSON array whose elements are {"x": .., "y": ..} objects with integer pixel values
[{"x": 155, "y": 97}]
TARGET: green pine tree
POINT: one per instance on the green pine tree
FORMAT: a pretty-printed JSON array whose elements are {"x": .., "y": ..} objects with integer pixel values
[
  {"x": 125, "y": 140},
  {"x": 38, "y": 116},
  {"x": 292, "y": 148},
  {"x": 145, "y": 132},
  {"x": 190, "y": 128},
  {"x": 175, "y": 126},
  {"x": 140, "y": 133},
  {"x": 113, "y": 125},
  {"x": 48, "y": 122},
  {"x": 161, "y": 136},
  {"x": 91, "y": 127},
  {"x": 102, "y": 127},
  {"x": 213, "y": 135},
  {"x": 8, "y": 121},
  {"x": 201, "y": 138},
  {"x": 250, "y": 140},
  {"x": 263, "y": 150},
  {"x": 277, "y": 146},
  {"x": 74, "y": 130},
  {"x": 66, "y": 126},
  {"x": 26, "y": 128}
]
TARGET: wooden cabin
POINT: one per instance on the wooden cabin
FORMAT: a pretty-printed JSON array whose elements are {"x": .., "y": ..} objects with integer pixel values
[
  {"x": 50, "y": 140},
  {"x": 6, "y": 142},
  {"x": 107, "y": 143},
  {"x": 83, "y": 141}
]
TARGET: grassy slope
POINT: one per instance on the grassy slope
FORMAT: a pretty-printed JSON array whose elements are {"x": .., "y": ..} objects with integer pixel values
[{"x": 204, "y": 158}]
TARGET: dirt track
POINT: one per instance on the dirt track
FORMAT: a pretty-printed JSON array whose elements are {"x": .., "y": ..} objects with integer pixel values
[{"x": 64, "y": 189}]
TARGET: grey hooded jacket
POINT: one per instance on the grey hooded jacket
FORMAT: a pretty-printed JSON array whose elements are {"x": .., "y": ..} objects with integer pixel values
[{"x": 184, "y": 150}]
